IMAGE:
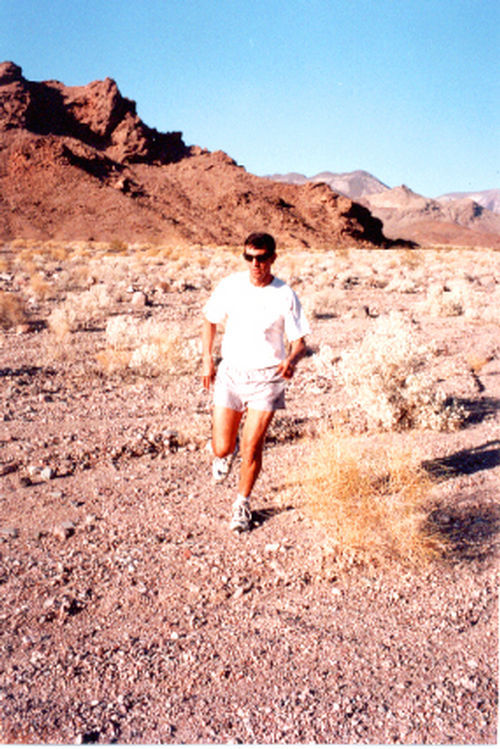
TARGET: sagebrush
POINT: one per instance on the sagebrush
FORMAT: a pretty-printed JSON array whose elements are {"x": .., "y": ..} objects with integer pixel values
[
  {"x": 388, "y": 375},
  {"x": 147, "y": 347}
]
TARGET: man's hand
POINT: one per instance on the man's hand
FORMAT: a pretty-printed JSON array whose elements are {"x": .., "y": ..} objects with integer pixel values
[{"x": 286, "y": 368}]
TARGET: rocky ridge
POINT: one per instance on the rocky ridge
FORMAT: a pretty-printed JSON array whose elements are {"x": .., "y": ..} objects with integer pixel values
[{"x": 76, "y": 162}]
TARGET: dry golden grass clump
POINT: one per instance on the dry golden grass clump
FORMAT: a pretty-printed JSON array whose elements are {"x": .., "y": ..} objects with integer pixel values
[
  {"x": 12, "y": 310},
  {"x": 388, "y": 376},
  {"x": 369, "y": 499},
  {"x": 147, "y": 347}
]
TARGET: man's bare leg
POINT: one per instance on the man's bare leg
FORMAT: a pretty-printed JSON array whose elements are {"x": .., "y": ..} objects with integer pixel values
[
  {"x": 252, "y": 443},
  {"x": 225, "y": 430}
]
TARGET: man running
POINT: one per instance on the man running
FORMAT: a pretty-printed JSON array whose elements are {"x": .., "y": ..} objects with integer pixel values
[{"x": 259, "y": 310}]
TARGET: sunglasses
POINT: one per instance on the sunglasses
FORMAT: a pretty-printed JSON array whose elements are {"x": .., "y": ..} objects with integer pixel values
[{"x": 259, "y": 258}]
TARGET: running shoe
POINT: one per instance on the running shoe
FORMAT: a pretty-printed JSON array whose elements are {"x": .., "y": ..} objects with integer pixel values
[
  {"x": 222, "y": 466},
  {"x": 242, "y": 517}
]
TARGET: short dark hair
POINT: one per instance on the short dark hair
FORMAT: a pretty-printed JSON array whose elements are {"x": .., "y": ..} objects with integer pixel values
[{"x": 261, "y": 241}]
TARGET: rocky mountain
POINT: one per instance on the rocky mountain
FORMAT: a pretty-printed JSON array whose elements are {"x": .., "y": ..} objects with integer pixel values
[
  {"x": 77, "y": 162},
  {"x": 451, "y": 219},
  {"x": 489, "y": 199},
  {"x": 405, "y": 213},
  {"x": 353, "y": 185}
]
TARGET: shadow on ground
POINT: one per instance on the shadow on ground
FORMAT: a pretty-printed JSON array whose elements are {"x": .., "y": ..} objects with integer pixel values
[
  {"x": 465, "y": 462},
  {"x": 471, "y": 532},
  {"x": 259, "y": 517},
  {"x": 478, "y": 409}
]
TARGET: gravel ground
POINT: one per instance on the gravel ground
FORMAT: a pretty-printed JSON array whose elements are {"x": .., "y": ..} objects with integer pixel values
[{"x": 129, "y": 612}]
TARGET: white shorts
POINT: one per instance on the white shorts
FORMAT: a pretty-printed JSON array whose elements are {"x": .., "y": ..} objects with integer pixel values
[{"x": 259, "y": 389}]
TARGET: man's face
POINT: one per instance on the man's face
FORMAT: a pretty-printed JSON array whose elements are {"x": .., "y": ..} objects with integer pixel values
[{"x": 259, "y": 262}]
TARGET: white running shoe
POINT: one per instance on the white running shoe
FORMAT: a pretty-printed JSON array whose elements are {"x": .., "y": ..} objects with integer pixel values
[
  {"x": 242, "y": 517},
  {"x": 222, "y": 466}
]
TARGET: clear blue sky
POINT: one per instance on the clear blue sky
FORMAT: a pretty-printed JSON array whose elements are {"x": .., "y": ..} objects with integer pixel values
[{"x": 408, "y": 90}]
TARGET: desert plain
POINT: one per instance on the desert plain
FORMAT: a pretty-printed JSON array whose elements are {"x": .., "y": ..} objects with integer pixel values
[{"x": 131, "y": 614}]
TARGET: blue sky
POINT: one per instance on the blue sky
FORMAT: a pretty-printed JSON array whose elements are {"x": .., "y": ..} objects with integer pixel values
[{"x": 408, "y": 90}]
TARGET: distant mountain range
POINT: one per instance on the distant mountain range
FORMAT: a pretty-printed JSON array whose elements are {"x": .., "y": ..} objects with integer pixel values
[
  {"x": 470, "y": 218},
  {"x": 351, "y": 184},
  {"x": 359, "y": 184},
  {"x": 489, "y": 199}
]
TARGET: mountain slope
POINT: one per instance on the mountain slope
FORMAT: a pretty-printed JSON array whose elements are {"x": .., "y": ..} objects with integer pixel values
[{"x": 76, "y": 162}]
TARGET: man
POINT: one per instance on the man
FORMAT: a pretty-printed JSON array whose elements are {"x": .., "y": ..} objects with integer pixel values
[{"x": 259, "y": 310}]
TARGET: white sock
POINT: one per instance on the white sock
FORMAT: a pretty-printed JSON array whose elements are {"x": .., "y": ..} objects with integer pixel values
[{"x": 240, "y": 499}]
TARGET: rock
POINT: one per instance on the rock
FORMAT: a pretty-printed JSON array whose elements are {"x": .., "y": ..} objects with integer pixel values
[
  {"x": 46, "y": 473},
  {"x": 139, "y": 299},
  {"x": 64, "y": 530},
  {"x": 10, "y": 72},
  {"x": 8, "y": 468},
  {"x": 9, "y": 532}
]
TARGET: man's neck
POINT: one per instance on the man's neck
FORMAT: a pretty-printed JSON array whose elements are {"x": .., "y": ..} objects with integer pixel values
[{"x": 261, "y": 282}]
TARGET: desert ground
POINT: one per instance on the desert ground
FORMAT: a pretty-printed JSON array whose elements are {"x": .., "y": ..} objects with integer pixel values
[{"x": 131, "y": 614}]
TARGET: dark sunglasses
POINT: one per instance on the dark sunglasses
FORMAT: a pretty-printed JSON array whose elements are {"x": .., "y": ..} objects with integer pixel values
[{"x": 259, "y": 258}]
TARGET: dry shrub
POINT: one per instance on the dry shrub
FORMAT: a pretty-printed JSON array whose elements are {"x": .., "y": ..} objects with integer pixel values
[
  {"x": 370, "y": 500},
  {"x": 79, "y": 311},
  {"x": 323, "y": 303},
  {"x": 446, "y": 301},
  {"x": 476, "y": 362},
  {"x": 118, "y": 246},
  {"x": 147, "y": 347},
  {"x": 40, "y": 288},
  {"x": 388, "y": 377},
  {"x": 12, "y": 310},
  {"x": 402, "y": 284}
]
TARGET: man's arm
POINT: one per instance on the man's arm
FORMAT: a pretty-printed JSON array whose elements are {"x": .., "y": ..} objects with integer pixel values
[
  {"x": 297, "y": 350},
  {"x": 207, "y": 342}
]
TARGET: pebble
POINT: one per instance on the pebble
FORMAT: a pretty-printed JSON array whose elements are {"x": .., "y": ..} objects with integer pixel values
[
  {"x": 9, "y": 532},
  {"x": 139, "y": 299},
  {"x": 64, "y": 530},
  {"x": 46, "y": 473},
  {"x": 272, "y": 547},
  {"x": 8, "y": 468}
]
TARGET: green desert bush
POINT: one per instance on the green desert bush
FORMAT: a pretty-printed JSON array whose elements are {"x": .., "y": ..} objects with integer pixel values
[{"x": 388, "y": 376}]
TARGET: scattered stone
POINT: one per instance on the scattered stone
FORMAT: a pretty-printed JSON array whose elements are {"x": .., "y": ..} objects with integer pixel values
[
  {"x": 64, "y": 530},
  {"x": 271, "y": 548},
  {"x": 8, "y": 468},
  {"x": 139, "y": 299},
  {"x": 9, "y": 532},
  {"x": 46, "y": 473}
]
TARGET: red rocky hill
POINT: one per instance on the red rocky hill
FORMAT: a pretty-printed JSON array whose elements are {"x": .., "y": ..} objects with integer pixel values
[{"x": 76, "y": 162}]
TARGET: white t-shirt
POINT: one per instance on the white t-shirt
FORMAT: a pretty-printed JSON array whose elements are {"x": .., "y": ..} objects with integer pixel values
[{"x": 257, "y": 318}]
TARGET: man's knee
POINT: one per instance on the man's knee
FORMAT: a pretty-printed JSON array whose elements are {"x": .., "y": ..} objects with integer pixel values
[{"x": 221, "y": 447}]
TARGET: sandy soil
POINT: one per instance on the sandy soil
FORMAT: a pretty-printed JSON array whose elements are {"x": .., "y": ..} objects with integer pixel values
[{"x": 131, "y": 614}]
